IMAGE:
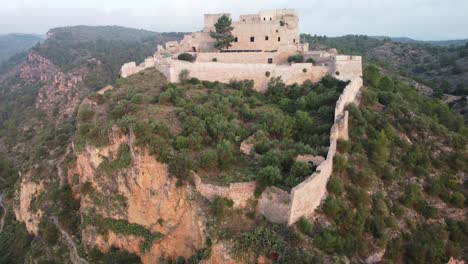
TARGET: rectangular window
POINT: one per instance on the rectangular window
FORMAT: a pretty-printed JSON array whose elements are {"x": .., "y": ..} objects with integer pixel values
[
  {"x": 270, "y": 60},
  {"x": 294, "y": 40},
  {"x": 236, "y": 39},
  {"x": 266, "y": 37},
  {"x": 279, "y": 39},
  {"x": 252, "y": 39}
]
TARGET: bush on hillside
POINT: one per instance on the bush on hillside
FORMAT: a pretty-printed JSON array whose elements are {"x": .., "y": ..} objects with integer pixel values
[
  {"x": 296, "y": 59},
  {"x": 186, "y": 57}
]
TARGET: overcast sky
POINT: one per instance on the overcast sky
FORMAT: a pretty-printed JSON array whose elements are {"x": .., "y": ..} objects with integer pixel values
[{"x": 420, "y": 19}]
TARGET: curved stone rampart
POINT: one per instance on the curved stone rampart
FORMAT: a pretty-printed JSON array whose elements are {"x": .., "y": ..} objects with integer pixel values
[
  {"x": 277, "y": 205},
  {"x": 306, "y": 196}
]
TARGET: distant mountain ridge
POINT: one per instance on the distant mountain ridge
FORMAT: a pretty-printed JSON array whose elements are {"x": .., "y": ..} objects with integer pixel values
[
  {"x": 14, "y": 43},
  {"x": 444, "y": 43}
]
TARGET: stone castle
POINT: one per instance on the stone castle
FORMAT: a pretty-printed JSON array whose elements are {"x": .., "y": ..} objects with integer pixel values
[{"x": 260, "y": 51}]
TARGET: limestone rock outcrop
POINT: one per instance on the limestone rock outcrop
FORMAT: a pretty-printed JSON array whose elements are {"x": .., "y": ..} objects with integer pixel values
[
  {"x": 24, "y": 196},
  {"x": 152, "y": 200}
]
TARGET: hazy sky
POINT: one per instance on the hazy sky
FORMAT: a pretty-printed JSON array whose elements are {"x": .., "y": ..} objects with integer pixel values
[{"x": 420, "y": 19}]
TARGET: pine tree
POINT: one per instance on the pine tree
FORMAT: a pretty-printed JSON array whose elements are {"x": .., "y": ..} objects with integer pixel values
[
  {"x": 381, "y": 151},
  {"x": 223, "y": 34}
]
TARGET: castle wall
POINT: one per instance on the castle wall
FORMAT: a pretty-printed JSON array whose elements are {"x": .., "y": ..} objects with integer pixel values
[
  {"x": 279, "y": 206},
  {"x": 244, "y": 57},
  {"x": 211, "y": 19},
  {"x": 267, "y": 35},
  {"x": 239, "y": 193},
  {"x": 347, "y": 67},
  {"x": 279, "y": 57},
  {"x": 307, "y": 196},
  {"x": 225, "y": 72},
  {"x": 274, "y": 204}
]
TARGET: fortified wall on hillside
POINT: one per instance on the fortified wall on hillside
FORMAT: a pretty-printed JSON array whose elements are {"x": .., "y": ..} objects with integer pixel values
[{"x": 260, "y": 51}]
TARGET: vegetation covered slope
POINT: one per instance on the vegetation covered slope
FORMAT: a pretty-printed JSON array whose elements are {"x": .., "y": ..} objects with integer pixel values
[
  {"x": 12, "y": 44},
  {"x": 35, "y": 141},
  {"x": 397, "y": 193},
  {"x": 443, "y": 68},
  {"x": 200, "y": 126}
]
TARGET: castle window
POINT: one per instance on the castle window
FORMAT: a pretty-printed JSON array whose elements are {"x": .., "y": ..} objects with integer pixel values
[
  {"x": 279, "y": 39},
  {"x": 252, "y": 39},
  {"x": 236, "y": 39},
  {"x": 294, "y": 40},
  {"x": 266, "y": 37},
  {"x": 270, "y": 60},
  {"x": 264, "y": 18},
  {"x": 276, "y": 31},
  {"x": 270, "y": 18}
]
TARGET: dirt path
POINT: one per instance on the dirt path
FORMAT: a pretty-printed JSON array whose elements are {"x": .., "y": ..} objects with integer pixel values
[
  {"x": 74, "y": 256},
  {"x": 60, "y": 164}
]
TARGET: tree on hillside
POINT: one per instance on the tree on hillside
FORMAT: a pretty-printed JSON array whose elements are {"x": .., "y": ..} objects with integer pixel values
[
  {"x": 371, "y": 75},
  {"x": 381, "y": 150},
  {"x": 223, "y": 35}
]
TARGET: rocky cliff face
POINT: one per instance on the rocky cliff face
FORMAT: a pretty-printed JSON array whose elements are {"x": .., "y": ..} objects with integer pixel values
[
  {"x": 60, "y": 91},
  {"x": 151, "y": 198},
  {"x": 24, "y": 197}
]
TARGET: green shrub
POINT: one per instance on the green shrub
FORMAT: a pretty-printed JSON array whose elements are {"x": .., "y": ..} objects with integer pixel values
[
  {"x": 186, "y": 57},
  {"x": 194, "y": 81},
  {"x": 301, "y": 169},
  {"x": 296, "y": 59},
  {"x": 330, "y": 242},
  {"x": 49, "y": 232},
  {"x": 225, "y": 151},
  {"x": 137, "y": 98},
  {"x": 371, "y": 75},
  {"x": 123, "y": 160},
  {"x": 219, "y": 205},
  {"x": 304, "y": 226},
  {"x": 310, "y": 60},
  {"x": 335, "y": 185},
  {"x": 457, "y": 199},
  {"x": 261, "y": 241},
  {"x": 269, "y": 176},
  {"x": 209, "y": 159},
  {"x": 123, "y": 227},
  {"x": 85, "y": 114}
]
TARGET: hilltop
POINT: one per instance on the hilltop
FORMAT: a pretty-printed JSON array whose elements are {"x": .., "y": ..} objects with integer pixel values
[
  {"x": 12, "y": 44},
  {"x": 109, "y": 176}
]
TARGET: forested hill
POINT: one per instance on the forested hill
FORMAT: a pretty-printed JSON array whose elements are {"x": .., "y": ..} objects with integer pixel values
[
  {"x": 444, "y": 69},
  {"x": 446, "y": 43},
  {"x": 11, "y": 44},
  {"x": 69, "y": 47}
]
